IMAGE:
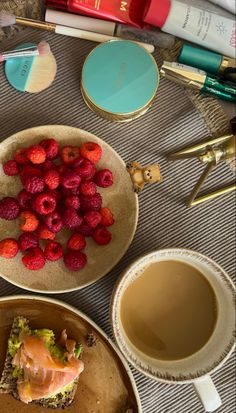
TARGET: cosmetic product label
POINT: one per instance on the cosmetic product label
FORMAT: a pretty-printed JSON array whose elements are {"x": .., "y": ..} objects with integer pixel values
[{"x": 203, "y": 27}]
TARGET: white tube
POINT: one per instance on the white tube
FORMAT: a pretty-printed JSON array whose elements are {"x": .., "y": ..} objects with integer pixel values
[
  {"x": 95, "y": 37},
  {"x": 202, "y": 27},
  {"x": 80, "y": 22},
  {"x": 229, "y": 5}
]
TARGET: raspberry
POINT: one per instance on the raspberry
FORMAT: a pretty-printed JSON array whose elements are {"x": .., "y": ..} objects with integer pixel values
[
  {"x": 69, "y": 154},
  {"x": 52, "y": 178},
  {"x": 74, "y": 260},
  {"x": 48, "y": 165},
  {"x": 102, "y": 236},
  {"x": 92, "y": 218},
  {"x": 45, "y": 203},
  {"x": 28, "y": 221},
  {"x": 21, "y": 156},
  {"x": 70, "y": 179},
  {"x": 91, "y": 151},
  {"x": 10, "y": 168},
  {"x": 61, "y": 169},
  {"x": 54, "y": 222},
  {"x": 93, "y": 202},
  {"x": 56, "y": 193},
  {"x": 34, "y": 259},
  {"x": 9, "y": 208},
  {"x": 72, "y": 202},
  {"x": 88, "y": 188},
  {"x": 76, "y": 242},
  {"x": 25, "y": 199},
  {"x": 34, "y": 184},
  {"x": 28, "y": 240},
  {"x": 51, "y": 147},
  {"x": 71, "y": 218},
  {"x": 84, "y": 168},
  {"x": 29, "y": 170},
  {"x": 85, "y": 230},
  {"x": 53, "y": 251},
  {"x": 66, "y": 192},
  {"x": 45, "y": 233},
  {"x": 104, "y": 178},
  {"x": 107, "y": 217},
  {"x": 36, "y": 154},
  {"x": 8, "y": 248}
]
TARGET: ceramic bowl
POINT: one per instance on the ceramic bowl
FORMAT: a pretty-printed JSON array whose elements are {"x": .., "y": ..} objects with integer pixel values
[
  {"x": 106, "y": 385},
  {"x": 120, "y": 198}
]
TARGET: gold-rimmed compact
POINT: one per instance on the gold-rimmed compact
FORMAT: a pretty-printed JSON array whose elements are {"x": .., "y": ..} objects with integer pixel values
[{"x": 119, "y": 80}]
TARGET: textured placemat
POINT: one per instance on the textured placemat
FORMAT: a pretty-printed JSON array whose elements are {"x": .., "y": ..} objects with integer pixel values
[{"x": 172, "y": 122}]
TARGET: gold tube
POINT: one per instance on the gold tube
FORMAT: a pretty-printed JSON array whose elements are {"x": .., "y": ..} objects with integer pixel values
[
  {"x": 202, "y": 145},
  {"x": 214, "y": 194},
  {"x": 199, "y": 183},
  {"x": 36, "y": 24}
]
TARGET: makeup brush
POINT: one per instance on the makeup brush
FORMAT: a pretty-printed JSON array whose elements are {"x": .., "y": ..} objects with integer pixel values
[
  {"x": 41, "y": 49},
  {"x": 8, "y": 19}
]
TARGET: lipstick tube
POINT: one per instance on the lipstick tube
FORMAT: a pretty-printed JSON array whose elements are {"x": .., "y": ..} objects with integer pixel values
[
  {"x": 198, "y": 80},
  {"x": 154, "y": 36},
  {"x": 122, "y": 11},
  {"x": 213, "y": 63}
]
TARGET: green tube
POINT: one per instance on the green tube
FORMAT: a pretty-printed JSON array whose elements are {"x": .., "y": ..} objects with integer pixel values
[
  {"x": 201, "y": 58},
  {"x": 208, "y": 61},
  {"x": 222, "y": 91}
]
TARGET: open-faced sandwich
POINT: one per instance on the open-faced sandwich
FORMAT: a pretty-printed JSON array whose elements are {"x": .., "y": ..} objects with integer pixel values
[{"x": 38, "y": 369}]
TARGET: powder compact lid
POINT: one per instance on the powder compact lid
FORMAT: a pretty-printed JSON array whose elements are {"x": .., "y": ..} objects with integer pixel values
[{"x": 119, "y": 80}]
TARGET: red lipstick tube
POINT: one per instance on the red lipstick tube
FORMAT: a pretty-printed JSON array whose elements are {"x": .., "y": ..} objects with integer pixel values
[{"x": 122, "y": 11}]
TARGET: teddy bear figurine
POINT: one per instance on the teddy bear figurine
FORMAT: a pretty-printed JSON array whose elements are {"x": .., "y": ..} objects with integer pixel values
[{"x": 142, "y": 175}]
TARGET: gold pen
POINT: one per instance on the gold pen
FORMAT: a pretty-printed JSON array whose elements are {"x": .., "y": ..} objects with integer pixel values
[{"x": 198, "y": 80}]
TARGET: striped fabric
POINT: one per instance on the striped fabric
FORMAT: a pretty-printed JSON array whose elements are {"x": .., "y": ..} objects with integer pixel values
[{"x": 172, "y": 123}]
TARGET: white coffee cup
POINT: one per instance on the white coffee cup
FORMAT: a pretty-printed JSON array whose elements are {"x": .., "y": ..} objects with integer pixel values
[{"x": 195, "y": 369}]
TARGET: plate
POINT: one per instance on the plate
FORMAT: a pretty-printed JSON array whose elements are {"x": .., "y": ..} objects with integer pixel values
[
  {"x": 106, "y": 385},
  {"x": 120, "y": 198}
]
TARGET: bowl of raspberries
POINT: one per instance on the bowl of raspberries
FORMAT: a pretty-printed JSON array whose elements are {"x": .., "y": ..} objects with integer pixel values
[{"x": 68, "y": 212}]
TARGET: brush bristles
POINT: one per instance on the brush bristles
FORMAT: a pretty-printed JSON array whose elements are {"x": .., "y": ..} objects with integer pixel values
[
  {"x": 43, "y": 48},
  {"x": 7, "y": 19}
]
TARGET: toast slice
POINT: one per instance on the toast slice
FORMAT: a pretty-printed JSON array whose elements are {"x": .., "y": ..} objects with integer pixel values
[{"x": 9, "y": 378}]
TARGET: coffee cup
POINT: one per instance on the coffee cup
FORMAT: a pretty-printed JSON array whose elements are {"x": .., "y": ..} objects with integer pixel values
[{"x": 197, "y": 367}]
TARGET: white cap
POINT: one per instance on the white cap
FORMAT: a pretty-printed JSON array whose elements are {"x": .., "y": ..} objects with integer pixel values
[{"x": 80, "y": 22}]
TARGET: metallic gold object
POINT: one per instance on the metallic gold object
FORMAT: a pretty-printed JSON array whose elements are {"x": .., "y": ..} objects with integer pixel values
[
  {"x": 36, "y": 24},
  {"x": 209, "y": 153}
]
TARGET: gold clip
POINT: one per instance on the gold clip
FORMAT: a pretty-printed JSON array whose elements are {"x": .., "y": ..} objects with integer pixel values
[{"x": 209, "y": 153}]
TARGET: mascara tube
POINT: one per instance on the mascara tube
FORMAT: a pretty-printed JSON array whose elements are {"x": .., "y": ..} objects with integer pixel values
[
  {"x": 210, "y": 62},
  {"x": 196, "y": 79},
  {"x": 152, "y": 36}
]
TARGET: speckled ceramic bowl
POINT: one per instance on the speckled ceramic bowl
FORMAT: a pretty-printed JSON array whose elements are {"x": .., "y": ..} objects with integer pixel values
[
  {"x": 105, "y": 386},
  {"x": 120, "y": 198}
]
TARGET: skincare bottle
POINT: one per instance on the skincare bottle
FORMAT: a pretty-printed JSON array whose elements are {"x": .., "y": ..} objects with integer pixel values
[
  {"x": 122, "y": 11},
  {"x": 193, "y": 24},
  {"x": 151, "y": 35},
  {"x": 229, "y": 5},
  {"x": 211, "y": 62}
]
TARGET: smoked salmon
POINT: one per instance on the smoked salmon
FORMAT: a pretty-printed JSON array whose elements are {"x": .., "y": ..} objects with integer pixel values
[{"x": 44, "y": 374}]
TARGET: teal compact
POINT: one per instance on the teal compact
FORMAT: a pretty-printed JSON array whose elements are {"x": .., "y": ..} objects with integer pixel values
[{"x": 119, "y": 80}]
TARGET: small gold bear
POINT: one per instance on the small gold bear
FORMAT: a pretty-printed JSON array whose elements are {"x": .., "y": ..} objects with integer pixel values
[{"x": 141, "y": 175}]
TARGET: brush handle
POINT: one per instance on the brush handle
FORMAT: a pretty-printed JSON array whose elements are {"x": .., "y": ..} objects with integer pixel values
[
  {"x": 95, "y": 37},
  {"x": 26, "y": 52}
]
